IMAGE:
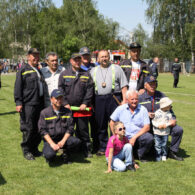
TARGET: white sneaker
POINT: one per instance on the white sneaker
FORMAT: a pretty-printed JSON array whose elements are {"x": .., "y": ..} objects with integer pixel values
[{"x": 164, "y": 158}]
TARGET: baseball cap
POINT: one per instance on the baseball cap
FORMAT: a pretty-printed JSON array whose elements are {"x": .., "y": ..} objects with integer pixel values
[
  {"x": 150, "y": 79},
  {"x": 75, "y": 55},
  {"x": 134, "y": 45},
  {"x": 33, "y": 50},
  {"x": 84, "y": 50},
  {"x": 56, "y": 93},
  {"x": 164, "y": 102}
]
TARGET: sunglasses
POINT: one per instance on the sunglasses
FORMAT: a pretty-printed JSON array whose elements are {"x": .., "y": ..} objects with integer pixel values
[{"x": 120, "y": 129}]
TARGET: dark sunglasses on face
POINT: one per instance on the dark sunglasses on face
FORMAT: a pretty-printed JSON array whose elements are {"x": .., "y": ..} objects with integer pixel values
[{"x": 120, "y": 129}]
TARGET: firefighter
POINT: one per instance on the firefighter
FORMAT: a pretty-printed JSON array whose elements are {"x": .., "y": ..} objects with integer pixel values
[
  {"x": 110, "y": 88},
  {"x": 56, "y": 127},
  {"x": 77, "y": 87},
  {"x": 28, "y": 94},
  {"x": 134, "y": 68},
  {"x": 150, "y": 100}
]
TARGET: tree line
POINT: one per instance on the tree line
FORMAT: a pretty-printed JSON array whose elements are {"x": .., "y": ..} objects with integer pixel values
[{"x": 38, "y": 23}]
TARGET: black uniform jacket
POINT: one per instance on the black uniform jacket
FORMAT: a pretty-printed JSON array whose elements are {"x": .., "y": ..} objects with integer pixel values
[
  {"x": 126, "y": 65},
  {"x": 176, "y": 67},
  {"x": 77, "y": 89},
  {"x": 55, "y": 125},
  {"x": 152, "y": 104},
  {"x": 26, "y": 90}
]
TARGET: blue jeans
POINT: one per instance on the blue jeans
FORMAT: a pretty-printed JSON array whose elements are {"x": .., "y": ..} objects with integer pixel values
[
  {"x": 125, "y": 154},
  {"x": 160, "y": 146}
]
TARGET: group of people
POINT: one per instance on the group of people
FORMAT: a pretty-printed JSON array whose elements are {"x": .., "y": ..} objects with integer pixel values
[{"x": 58, "y": 104}]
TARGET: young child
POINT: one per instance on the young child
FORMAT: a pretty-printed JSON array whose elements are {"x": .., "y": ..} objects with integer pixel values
[
  {"x": 119, "y": 149},
  {"x": 161, "y": 126}
]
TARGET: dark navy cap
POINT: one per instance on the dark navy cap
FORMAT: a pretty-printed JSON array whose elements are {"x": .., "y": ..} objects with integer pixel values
[
  {"x": 150, "y": 79},
  {"x": 56, "y": 93},
  {"x": 84, "y": 50},
  {"x": 33, "y": 50},
  {"x": 75, "y": 55},
  {"x": 134, "y": 45}
]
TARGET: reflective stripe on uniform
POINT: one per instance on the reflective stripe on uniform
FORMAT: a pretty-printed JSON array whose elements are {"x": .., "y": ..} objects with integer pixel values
[
  {"x": 55, "y": 117},
  {"x": 145, "y": 102},
  {"x": 145, "y": 71},
  {"x": 65, "y": 116},
  {"x": 72, "y": 77},
  {"x": 84, "y": 77},
  {"x": 148, "y": 102},
  {"x": 126, "y": 66},
  {"x": 28, "y": 72},
  {"x": 51, "y": 118},
  {"x": 113, "y": 77}
]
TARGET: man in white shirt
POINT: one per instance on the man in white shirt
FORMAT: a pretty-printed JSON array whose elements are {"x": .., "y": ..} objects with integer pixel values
[
  {"x": 51, "y": 74},
  {"x": 134, "y": 68}
]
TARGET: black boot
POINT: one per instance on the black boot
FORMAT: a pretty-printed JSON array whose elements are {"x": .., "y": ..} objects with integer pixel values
[
  {"x": 174, "y": 156},
  {"x": 65, "y": 157},
  {"x": 87, "y": 150}
]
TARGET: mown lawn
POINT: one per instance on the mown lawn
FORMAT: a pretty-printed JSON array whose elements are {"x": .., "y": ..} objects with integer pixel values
[{"x": 86, "y": 176}]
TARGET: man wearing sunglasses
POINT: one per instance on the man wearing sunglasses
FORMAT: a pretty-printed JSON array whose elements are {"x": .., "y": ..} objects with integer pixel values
[{"x": 136, "y": 120}]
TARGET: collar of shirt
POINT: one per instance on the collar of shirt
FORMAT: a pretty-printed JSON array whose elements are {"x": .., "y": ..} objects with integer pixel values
[
  {"x": 58, "y": 70},
  {"x": 136, "y": 110},
  {"x": 86, "y": 68}
]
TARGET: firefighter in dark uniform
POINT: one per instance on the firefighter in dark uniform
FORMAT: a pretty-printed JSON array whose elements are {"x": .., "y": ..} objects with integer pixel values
[
  {"x": 150, "y": 100},
  {"x": 87, "y": 65},
  {"x": 56, "y": 127},
  {"x": 110, "y": 89},
  {"x": 77, "y": 87},
  {"x": 28, "y": 94},
  {"x": 135, "y": 69},
  {"x": 176, "y": 69}
]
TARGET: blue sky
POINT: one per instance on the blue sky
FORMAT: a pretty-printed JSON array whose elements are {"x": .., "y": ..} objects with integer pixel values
[{"x": 128, "y": 13}]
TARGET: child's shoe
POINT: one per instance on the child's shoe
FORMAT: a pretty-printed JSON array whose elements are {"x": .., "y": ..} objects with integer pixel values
[{"x": 164, "y": 158}]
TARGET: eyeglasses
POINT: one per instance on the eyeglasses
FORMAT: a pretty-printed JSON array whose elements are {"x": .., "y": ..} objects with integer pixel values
[{"x": 120, "y": 129}]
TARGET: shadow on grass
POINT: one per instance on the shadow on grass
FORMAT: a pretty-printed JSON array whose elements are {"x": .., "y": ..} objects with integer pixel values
[
  {"x": 183, "y": 153},
  {"x": 6, "y": 113},
  {"x": 2, "y": 180},
  {"x": 74, "y": 158}
]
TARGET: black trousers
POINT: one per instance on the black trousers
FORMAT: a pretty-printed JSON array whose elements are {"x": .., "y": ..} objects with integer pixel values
[
  {"x": 29, "y": 126},
  {"x": 176, "y": 78},
  {"x": 71, "y": 144},
  {"x": 104, "y": 107},
  {"x": 143, "y": 145},
  {"x": 94, "y": 132},
  {"x": 82, "y": 132}
]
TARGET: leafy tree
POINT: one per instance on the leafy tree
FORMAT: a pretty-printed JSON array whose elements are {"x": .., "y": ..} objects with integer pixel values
[{"x": 173, "y": 22}]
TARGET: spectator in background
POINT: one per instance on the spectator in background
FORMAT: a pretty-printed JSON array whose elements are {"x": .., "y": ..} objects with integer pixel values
[
  {"x": 176, "y": 69},
  {"x": 153, "y": 66}
]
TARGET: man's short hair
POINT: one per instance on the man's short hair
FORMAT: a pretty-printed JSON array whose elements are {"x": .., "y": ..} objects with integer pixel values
[
  {"x": 131, "y": 92},
  {"x": 50, "y": 54}
]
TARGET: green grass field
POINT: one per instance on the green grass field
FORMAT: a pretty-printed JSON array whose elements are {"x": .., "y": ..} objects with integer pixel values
[{"x": 19, "y": 176}]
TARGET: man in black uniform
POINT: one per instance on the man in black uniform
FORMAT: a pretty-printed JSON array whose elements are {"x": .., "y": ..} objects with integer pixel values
[
  {"x": 77, "y": 87},
  {"x": 87, "y": 66},
  {"x": 150, "y": 100},
  {"x": 176, "y": 69},
  {"x": 135, "y": 69},
  {"x": 28, "y": 94},
  {"x": 56, "y": 127}
]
